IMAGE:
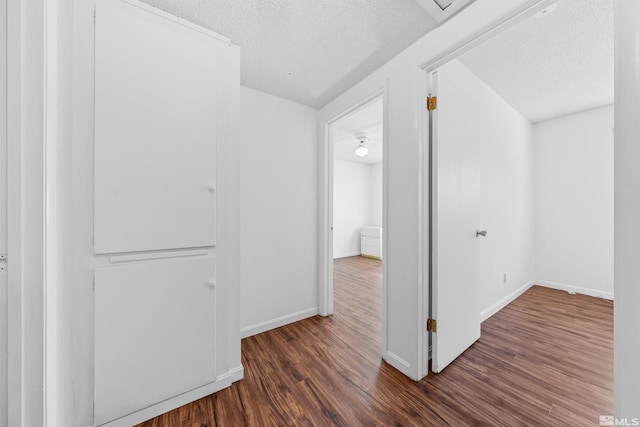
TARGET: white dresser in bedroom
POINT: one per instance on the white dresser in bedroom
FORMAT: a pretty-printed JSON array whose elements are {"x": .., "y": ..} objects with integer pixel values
[{"x": 371, "y": 242}]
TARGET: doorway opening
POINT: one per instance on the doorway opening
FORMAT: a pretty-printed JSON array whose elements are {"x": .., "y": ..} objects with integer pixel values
[
  {"x": 357, "y": 141},
  {"x": 354, "y": 281},
  {"x": 518, "y": 174}
]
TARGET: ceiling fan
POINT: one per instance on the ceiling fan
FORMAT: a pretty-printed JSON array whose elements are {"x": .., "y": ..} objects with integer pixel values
[{"x": 362, "y": 149}]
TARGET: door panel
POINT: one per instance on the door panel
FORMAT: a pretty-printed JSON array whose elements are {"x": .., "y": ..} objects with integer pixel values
[
  {"x": 154, "y": 333},
  {"x": 155, "y": 130},
  {"x": 455, "y": 276}
]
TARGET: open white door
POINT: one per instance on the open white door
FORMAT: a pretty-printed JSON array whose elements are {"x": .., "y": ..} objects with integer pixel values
[{"x": 455, "y": 215}]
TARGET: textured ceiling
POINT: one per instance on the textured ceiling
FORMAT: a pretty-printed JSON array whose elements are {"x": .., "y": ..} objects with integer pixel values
[
  {"x": 308, "y": 51},
  {"x": 551, "y": 66},
  {"x": 367, "y": 119}
]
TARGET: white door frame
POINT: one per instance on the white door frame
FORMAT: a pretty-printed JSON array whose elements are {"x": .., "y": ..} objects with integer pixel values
[
  {"x": 325, "y": 281},
  {"x": 31, "y": 42},
  {"x": 3, "y": 214},
  {"x": 428, "y": 165},
  {"x": 25, "y": 212}
]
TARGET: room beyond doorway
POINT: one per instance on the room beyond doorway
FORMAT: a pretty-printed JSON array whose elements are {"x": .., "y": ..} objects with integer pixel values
[
  {"x": 357, "y": 182},
  {"x": 354, "y": 180}
]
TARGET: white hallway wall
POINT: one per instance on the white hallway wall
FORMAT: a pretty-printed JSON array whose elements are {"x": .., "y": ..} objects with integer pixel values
[
  {"x": 279, "y": 212},
  {"x": 357, "y": 201},
  {"x": 574, "y": 201}
]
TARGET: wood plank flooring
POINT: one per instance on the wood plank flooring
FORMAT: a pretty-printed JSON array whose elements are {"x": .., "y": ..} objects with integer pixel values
[{"x": 546, "y": 359}]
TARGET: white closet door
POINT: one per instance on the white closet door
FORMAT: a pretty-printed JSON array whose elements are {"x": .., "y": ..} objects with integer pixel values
[
  {"x": 155, "y": 131},
  {"x": 154, "y": 333},
  {"x": 154, "y": 192}
]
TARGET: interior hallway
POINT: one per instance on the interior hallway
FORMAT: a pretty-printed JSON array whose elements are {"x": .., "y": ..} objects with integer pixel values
[{"x": 546, "y": 359}]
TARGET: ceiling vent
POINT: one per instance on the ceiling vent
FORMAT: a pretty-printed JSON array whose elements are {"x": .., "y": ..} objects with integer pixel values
[{"x": 442, "y": 10}]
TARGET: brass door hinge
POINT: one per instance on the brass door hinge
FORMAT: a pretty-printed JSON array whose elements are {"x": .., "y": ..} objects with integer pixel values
[
  {"x": 432, "y": 103},
  {"x": 431, "y": 325}
]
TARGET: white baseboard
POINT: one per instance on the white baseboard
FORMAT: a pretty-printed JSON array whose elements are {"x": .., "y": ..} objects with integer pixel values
[
  {"x": 233, "y": 374},
  {"x": 503, "y": 302},
  {"x": 575, "y": 289},
  {"x": 345, "y": 255},
  {"x": 399, "y": 363},
  {"x": 277, "y": 322},
  {"x": 222, "y": 381}
]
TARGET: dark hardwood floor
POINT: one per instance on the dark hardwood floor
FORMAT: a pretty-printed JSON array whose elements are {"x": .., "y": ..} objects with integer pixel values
[{"x": 544, "y": 360}]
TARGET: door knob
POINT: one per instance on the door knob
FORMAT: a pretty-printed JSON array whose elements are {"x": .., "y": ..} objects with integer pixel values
[{"x": 482, "y": 233}]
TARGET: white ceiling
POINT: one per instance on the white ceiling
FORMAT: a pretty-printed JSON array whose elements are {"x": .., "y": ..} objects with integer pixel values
[
  {"x": 308, "y": 51},
  {"x": 312, "y": 51},
  {"x": 367, "y": 119},
  {"x": 555, "y": 65}
]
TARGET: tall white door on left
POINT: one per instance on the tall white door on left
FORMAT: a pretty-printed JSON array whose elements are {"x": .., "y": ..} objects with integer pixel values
[
  {"x": 161, "y": 294},
  {"x": 3, "y": 216}
]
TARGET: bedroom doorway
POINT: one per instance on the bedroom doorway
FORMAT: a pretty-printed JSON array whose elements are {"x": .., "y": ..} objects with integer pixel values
[{"x": 355, "y": 245}]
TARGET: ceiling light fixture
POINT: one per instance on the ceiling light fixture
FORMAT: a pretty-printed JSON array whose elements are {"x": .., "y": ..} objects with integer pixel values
[{"x": 361, "y": 150}]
